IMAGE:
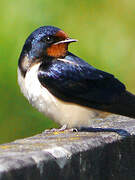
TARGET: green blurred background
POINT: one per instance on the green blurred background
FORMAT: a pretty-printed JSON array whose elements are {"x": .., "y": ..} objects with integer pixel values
[{"x": 106, "y": 34}]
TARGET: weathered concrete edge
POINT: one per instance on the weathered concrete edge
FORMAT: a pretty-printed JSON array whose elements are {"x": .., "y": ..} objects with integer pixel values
[
  {"x": 70, "y": 155},
  {"x": 34, "y": 165}
]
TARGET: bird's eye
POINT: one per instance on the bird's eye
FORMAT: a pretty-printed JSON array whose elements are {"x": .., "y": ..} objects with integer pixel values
[{"x": 48, "y": 39}]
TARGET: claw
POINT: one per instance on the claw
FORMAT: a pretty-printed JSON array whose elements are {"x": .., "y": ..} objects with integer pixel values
[{"x": 64, "y": 127}]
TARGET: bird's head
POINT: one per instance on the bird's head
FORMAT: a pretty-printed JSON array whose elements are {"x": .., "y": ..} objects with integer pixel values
[{"x": 44, "y": 42}]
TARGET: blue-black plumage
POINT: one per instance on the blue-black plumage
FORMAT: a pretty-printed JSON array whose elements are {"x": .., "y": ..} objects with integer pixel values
[{"x": 60, "y": 75}]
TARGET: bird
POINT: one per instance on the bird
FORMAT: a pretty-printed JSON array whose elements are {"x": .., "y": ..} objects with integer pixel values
[{"x": 63, "y": 86}]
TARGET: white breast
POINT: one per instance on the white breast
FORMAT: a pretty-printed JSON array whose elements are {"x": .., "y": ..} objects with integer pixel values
[{"x": 61, "y": 112}]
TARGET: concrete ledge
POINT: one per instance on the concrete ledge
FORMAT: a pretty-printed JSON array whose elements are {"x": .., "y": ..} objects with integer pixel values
[{"x": 70, "y": 156}]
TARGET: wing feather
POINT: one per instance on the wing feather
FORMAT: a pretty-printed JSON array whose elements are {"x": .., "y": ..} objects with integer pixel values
[{"x": 80, "y": 82}]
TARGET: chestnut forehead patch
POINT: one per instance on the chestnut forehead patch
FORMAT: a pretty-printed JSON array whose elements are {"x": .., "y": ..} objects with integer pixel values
[
  {"x": 61, "y": 34},
  {"x": 58, "y": 50}
]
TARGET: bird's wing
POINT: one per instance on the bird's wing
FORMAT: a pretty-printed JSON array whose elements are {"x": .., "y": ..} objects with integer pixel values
[{"x": 80, "y": 83}]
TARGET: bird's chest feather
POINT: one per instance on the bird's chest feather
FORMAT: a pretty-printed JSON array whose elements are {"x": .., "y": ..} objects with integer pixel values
[
  {"x": 36, "y": 94},
  {"x": 61, "y": 112}
]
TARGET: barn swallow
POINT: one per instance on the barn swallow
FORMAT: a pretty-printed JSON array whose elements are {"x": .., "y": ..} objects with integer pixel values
[{"x": 63, "y": 86}]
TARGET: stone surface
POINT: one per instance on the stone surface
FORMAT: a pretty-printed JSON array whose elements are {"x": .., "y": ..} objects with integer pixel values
[{"x": 72, "y": 155}]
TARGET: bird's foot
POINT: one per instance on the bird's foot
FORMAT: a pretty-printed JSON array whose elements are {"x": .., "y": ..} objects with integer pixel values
[{"x": 64, "y": 127}]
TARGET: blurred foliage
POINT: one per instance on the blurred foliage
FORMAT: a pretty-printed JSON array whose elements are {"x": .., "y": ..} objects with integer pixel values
[{"x": 106, "y": 34}]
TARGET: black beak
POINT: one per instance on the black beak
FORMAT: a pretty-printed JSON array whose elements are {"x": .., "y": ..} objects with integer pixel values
[{"x": 68, "y": 40}]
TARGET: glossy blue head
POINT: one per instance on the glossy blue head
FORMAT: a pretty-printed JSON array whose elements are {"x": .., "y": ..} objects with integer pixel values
[
  {"x": 46, "y": 41},
  {"x": 38, "y": 41}
]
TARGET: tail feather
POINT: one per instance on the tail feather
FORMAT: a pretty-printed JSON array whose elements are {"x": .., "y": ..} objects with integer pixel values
[{"x": 125, "y": 105}]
